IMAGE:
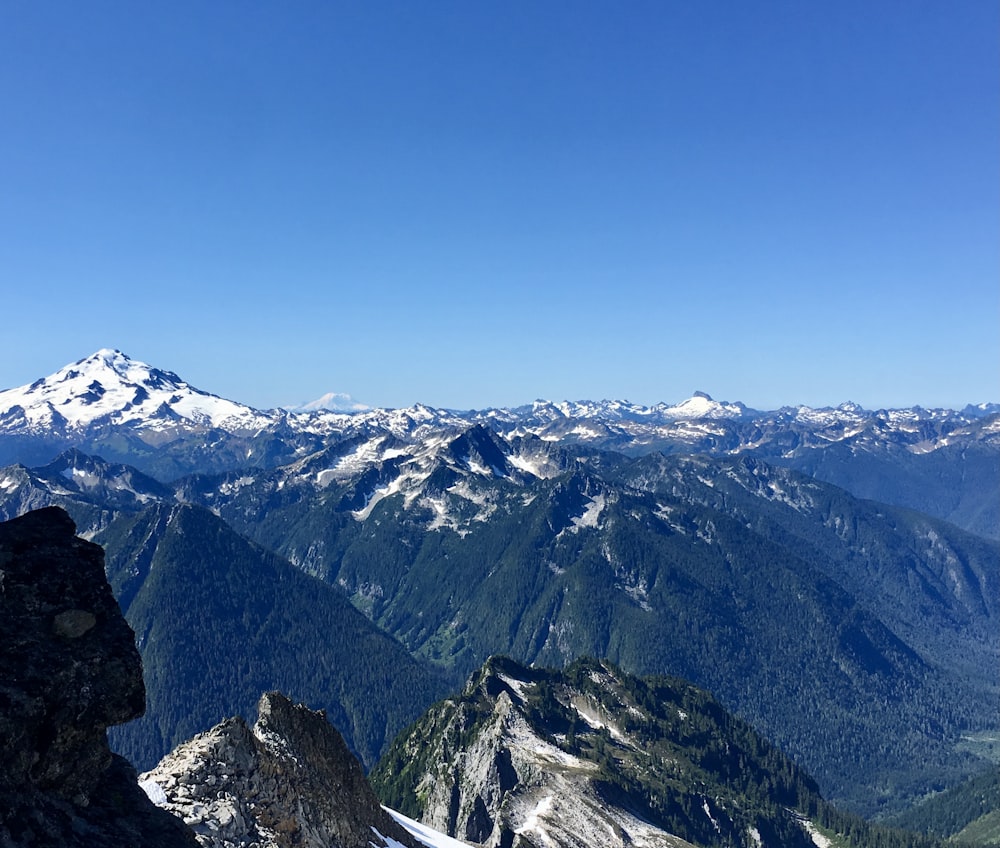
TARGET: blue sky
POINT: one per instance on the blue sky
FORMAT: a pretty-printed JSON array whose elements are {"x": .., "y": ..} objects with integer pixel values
[{"x": 470, "y": 204}]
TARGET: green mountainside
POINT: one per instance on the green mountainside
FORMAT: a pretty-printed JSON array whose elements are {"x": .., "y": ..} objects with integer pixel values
[
  {"x": 817, "y": 617},
  {"x": 219, "y": 620},
  {"x": 605, "y": 749},
  {"x": 982, "y": 831},
  {"x": 968, "y": 813},
  {"x": 861, "y": 638},
  {"x": 957, "y": 483},
  {"x": 925, "y": 578}
]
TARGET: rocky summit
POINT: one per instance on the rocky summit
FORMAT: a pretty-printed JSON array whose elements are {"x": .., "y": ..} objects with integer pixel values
[
  {"x": 68, "y": 670},
  {"x": 591, "y": 756},
  {"x": 288, "y": 781}
]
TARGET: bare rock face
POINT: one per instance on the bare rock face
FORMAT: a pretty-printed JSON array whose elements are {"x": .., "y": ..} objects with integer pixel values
[
  {"x": 68, "y": 670},
  {"x": 591, "y": 756},
  {"x": 487, "y": 775},
  {"x": 510, "y": 788},
  {"x": 288, "y": 781}
]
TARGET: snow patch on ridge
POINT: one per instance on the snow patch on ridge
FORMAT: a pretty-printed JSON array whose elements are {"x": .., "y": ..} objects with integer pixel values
[
  {"x": 591, "y": 514},
  {"x": 535, "y": 466},
  {"x": 517, "y": 685},
  {"x": 531, "y": 823},
  {"x": 375, "y": 498},
  {"x": 819, "y": 840},
  {"x": 430, "y": 837}
]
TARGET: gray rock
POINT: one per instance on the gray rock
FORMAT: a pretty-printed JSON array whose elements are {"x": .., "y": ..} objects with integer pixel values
[{"x": 288, "y": 781}]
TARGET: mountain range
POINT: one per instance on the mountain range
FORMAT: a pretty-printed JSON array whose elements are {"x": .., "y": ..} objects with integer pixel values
[
  {"x": 943, "y": 462},
  {"x": 699, "y": 539}
]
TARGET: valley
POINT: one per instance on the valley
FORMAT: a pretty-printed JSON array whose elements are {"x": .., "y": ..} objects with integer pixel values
[{"x": 830, "y": 576}]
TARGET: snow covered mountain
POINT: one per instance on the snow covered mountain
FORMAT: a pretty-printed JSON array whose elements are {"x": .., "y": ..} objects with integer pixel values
[
  {"x": 109, "y": 388},
  {"x": 333, "y": 401},
  {"x": 451, "y": 479},
  {"x": 943, "y": 462}
]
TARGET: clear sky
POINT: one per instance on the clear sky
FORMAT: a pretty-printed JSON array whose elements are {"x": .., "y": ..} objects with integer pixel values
[{"x": 473, "y": 204}]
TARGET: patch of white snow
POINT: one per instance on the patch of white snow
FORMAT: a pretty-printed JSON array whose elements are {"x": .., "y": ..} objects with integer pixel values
[
  {"x": 532, "y": 823},
  {"x": 430, "y": 837},
  {"x": 154, "y": 792},
  {"x": 591, "y": 514}
]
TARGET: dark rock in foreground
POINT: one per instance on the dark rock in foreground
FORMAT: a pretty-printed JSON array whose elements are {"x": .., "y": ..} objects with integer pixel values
[{"x": 68, "y": 670}]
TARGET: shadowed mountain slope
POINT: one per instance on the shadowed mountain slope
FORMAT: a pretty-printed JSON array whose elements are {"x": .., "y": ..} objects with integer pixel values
[{"x": 218, "y": 620}]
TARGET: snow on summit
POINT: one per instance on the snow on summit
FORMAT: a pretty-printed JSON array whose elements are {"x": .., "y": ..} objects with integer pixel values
[
  {"x": 701, "y": 405},
  {"x": 109, "y": 387},
  {"x": 332, "y": 401}
]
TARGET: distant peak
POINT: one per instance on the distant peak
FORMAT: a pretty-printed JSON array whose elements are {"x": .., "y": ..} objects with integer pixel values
[
  {"x": 703, "y": 395},
  {"x": 333, "y": 402},
  {"x": 111, "y": 388}
]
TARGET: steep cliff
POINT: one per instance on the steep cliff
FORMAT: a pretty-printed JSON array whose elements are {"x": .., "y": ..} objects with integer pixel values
[{"x": 68, "y": 670}]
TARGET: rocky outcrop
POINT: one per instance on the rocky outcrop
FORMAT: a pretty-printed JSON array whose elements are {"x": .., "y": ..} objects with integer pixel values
[
  {"x": 288, "y": 781},
  {"x": 486, "y": 772},
  {"x": 68, "y": 670},
  {"x": 587, "y": 756}
]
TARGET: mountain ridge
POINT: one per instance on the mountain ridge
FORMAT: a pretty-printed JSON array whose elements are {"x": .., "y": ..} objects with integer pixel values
[
  {"x": 75, "y": 396},
  {"x": 590, "y": 755},
  {"x": 944, "y": 462},
  {"x": 287, "y": 781}
]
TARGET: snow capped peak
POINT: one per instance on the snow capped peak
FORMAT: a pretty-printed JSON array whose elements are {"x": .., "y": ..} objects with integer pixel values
[
  {"x": 108, "y": 387},
  {"x": 701, "y": 405},
  {"x": 981, "y": 410},
  {"x": 114, "y": 360},
  {"x": 332, "y": 401},
  {"x": 110, "y": 367},
  {"x": 108, "y": 356},
  {"x": 851, "y": 407}
]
